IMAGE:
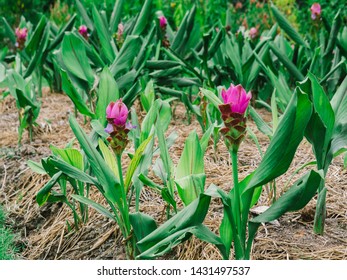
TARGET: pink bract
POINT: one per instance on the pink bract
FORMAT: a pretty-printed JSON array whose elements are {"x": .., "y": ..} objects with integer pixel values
[
  {"x": 83, "y": 30},
  {"x": 117, "y": 112},
  {"x": 162, "y": 21},
  {"x": 237, "y": 97},
  {"x": 315, "y": 10},
  {"x": 21, "y": 33}
]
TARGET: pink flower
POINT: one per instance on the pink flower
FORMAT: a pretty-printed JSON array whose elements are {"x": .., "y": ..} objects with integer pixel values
[
  {"x": 120, "y": 29},
  {"x": 162, "y": 21},
  {"x": 315, "y": 11},
  {"x": 83, "y": 30},
  {"x": 117, "y": 113},
  {"x": 237, "y": 97},
  {"x": 253, "y": 32},
  {"x": 21, "y": 33}
]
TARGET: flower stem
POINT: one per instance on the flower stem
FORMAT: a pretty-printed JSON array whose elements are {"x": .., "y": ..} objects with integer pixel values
[{"x": 239, "y": 238}]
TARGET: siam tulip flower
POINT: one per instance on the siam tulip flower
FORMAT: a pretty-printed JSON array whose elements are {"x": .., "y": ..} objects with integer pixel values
[
  {"x": 21, "y": 34},
  {"x": 253, "y": 33},
  {"x": 118, "y": 127},
  {"x": 237, "y": 97},
  {"x": 315, "y": 11},
  {"x": 162, "y": 22},
  {"x": 83, "y": 30},
  {"x": 238, "y": 6},
  {"x": 236, "y": 101},
  {"x": 117, "y": 113}
]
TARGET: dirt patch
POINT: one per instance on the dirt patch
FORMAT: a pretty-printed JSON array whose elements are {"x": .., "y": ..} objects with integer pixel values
[{"x": 45, "y": 233}]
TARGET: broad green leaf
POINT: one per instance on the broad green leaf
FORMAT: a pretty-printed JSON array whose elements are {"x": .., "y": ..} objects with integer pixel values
[
  {"x": 83, "y": 13},
  {"x": 98, "y": 207},
  {"x": 213, "y": 98},
  {"x": 284, "y": 142},
  {"x": 104, "y": 174},
  {"x": 70, "y": 156},
  {"x": 75, "y": 59},
  {"x": 36, "y": 36},
  {"x": 107, "y": 92},
  {"x": 109, "y": 157},
  {"x": 178, "y": 237},
  {"x": 104, "y": 36},
  {"x": 191, "y": 215},
  {"x": 126, "y": 55},
  {"x": 135, "y": 162},
  {"x": 142, "y": 224},
  {"x": 286, "y": 26},
  {"x": 36, "y": 167},
  {"x": 43, "y": 193},
  {"x": 116, "y": 15},
  {"x": 67, "y": 27},
  {"x": 148, "y": 96},
  {"x": 190, "y": 174},
  {"x": 260, "y": 123},
  {"x": 74, "y": 95},
  {"x": 71, "y": 170},
  {"x": 142, "y": 18},
  {"x": 37, "y": 57},
  {"x": 294, "y": 199},
  {"x": 9, "y": 31}
]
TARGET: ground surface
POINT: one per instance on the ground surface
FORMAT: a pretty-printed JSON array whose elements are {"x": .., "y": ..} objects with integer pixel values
[{"x": 43, "y": 232}]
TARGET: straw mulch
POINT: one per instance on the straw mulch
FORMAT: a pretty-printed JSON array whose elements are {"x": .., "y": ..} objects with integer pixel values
[{"x": 44, "y": 234}]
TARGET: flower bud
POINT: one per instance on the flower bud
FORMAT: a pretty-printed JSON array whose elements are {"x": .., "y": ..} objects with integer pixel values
[
  {"x": 21, "y": 34},
  {"x": 315, "y": 11},
  {"x": 162, "y": 21},
  {"x": 253, "y": 32},
  {"x": 237, "y": 97},
  {"x": 236, "y": 101},
  {"x": 117, "y": 113},
  {"x": 83, "y": 30}
]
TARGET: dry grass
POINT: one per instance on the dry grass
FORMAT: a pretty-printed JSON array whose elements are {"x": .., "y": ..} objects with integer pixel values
[{"x": 44, "y": 230}]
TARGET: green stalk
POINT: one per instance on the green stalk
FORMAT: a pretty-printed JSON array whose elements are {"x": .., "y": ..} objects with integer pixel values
[
  {"x": 129, "y": 239},
  {"x": 239, "y": 242},
  {"x": 320, "y": 215}
]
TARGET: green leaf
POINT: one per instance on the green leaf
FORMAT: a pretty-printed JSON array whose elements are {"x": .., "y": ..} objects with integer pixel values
[
  {"x": 43, "y": 193},
  {"x": 74, "y": 95},
  {"x": 142, "y": 224},
  {"x": 126, "y": 55},
  {"x": 260, "y": 123},
  {"x": 98, "y": 207},
  {"x": 286, "y": 62},
  {"x": 284, "y": 142},
  {"x": 174, "y": 231},
  {"x": 142, "y": 18},
  {"x": 72, "y": 171},
  {"x": 9, "y": 31},
  {"x": 36, "y": 167},
  {"x": 190, "y": 174},
  {"x": 70, "y": 156},
  {"x": 135, "y": 162},
  {"x": 37, "y": 57},
  {"x": 109, "y": 157},
  {"x": 104, "y": 36},
  {"x": 294, "y": 199},
  {"x": 116, "y": 15},
  {"x": 83, "y": 13},
  {"x": 213, "y": 98},
  {"x": 286, "y": 26},
  {"x": 101, "y": 170},
  {"x": 68, "y": 26},
  {"x": 108, "y": 91},
  {"x": 320, "y": 128},
  {"x": 36, "y": 36},
  {"x": 75, "y": 59}
]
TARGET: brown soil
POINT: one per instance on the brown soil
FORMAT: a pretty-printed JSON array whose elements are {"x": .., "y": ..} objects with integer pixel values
[{"x": 44, "y": 232}]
